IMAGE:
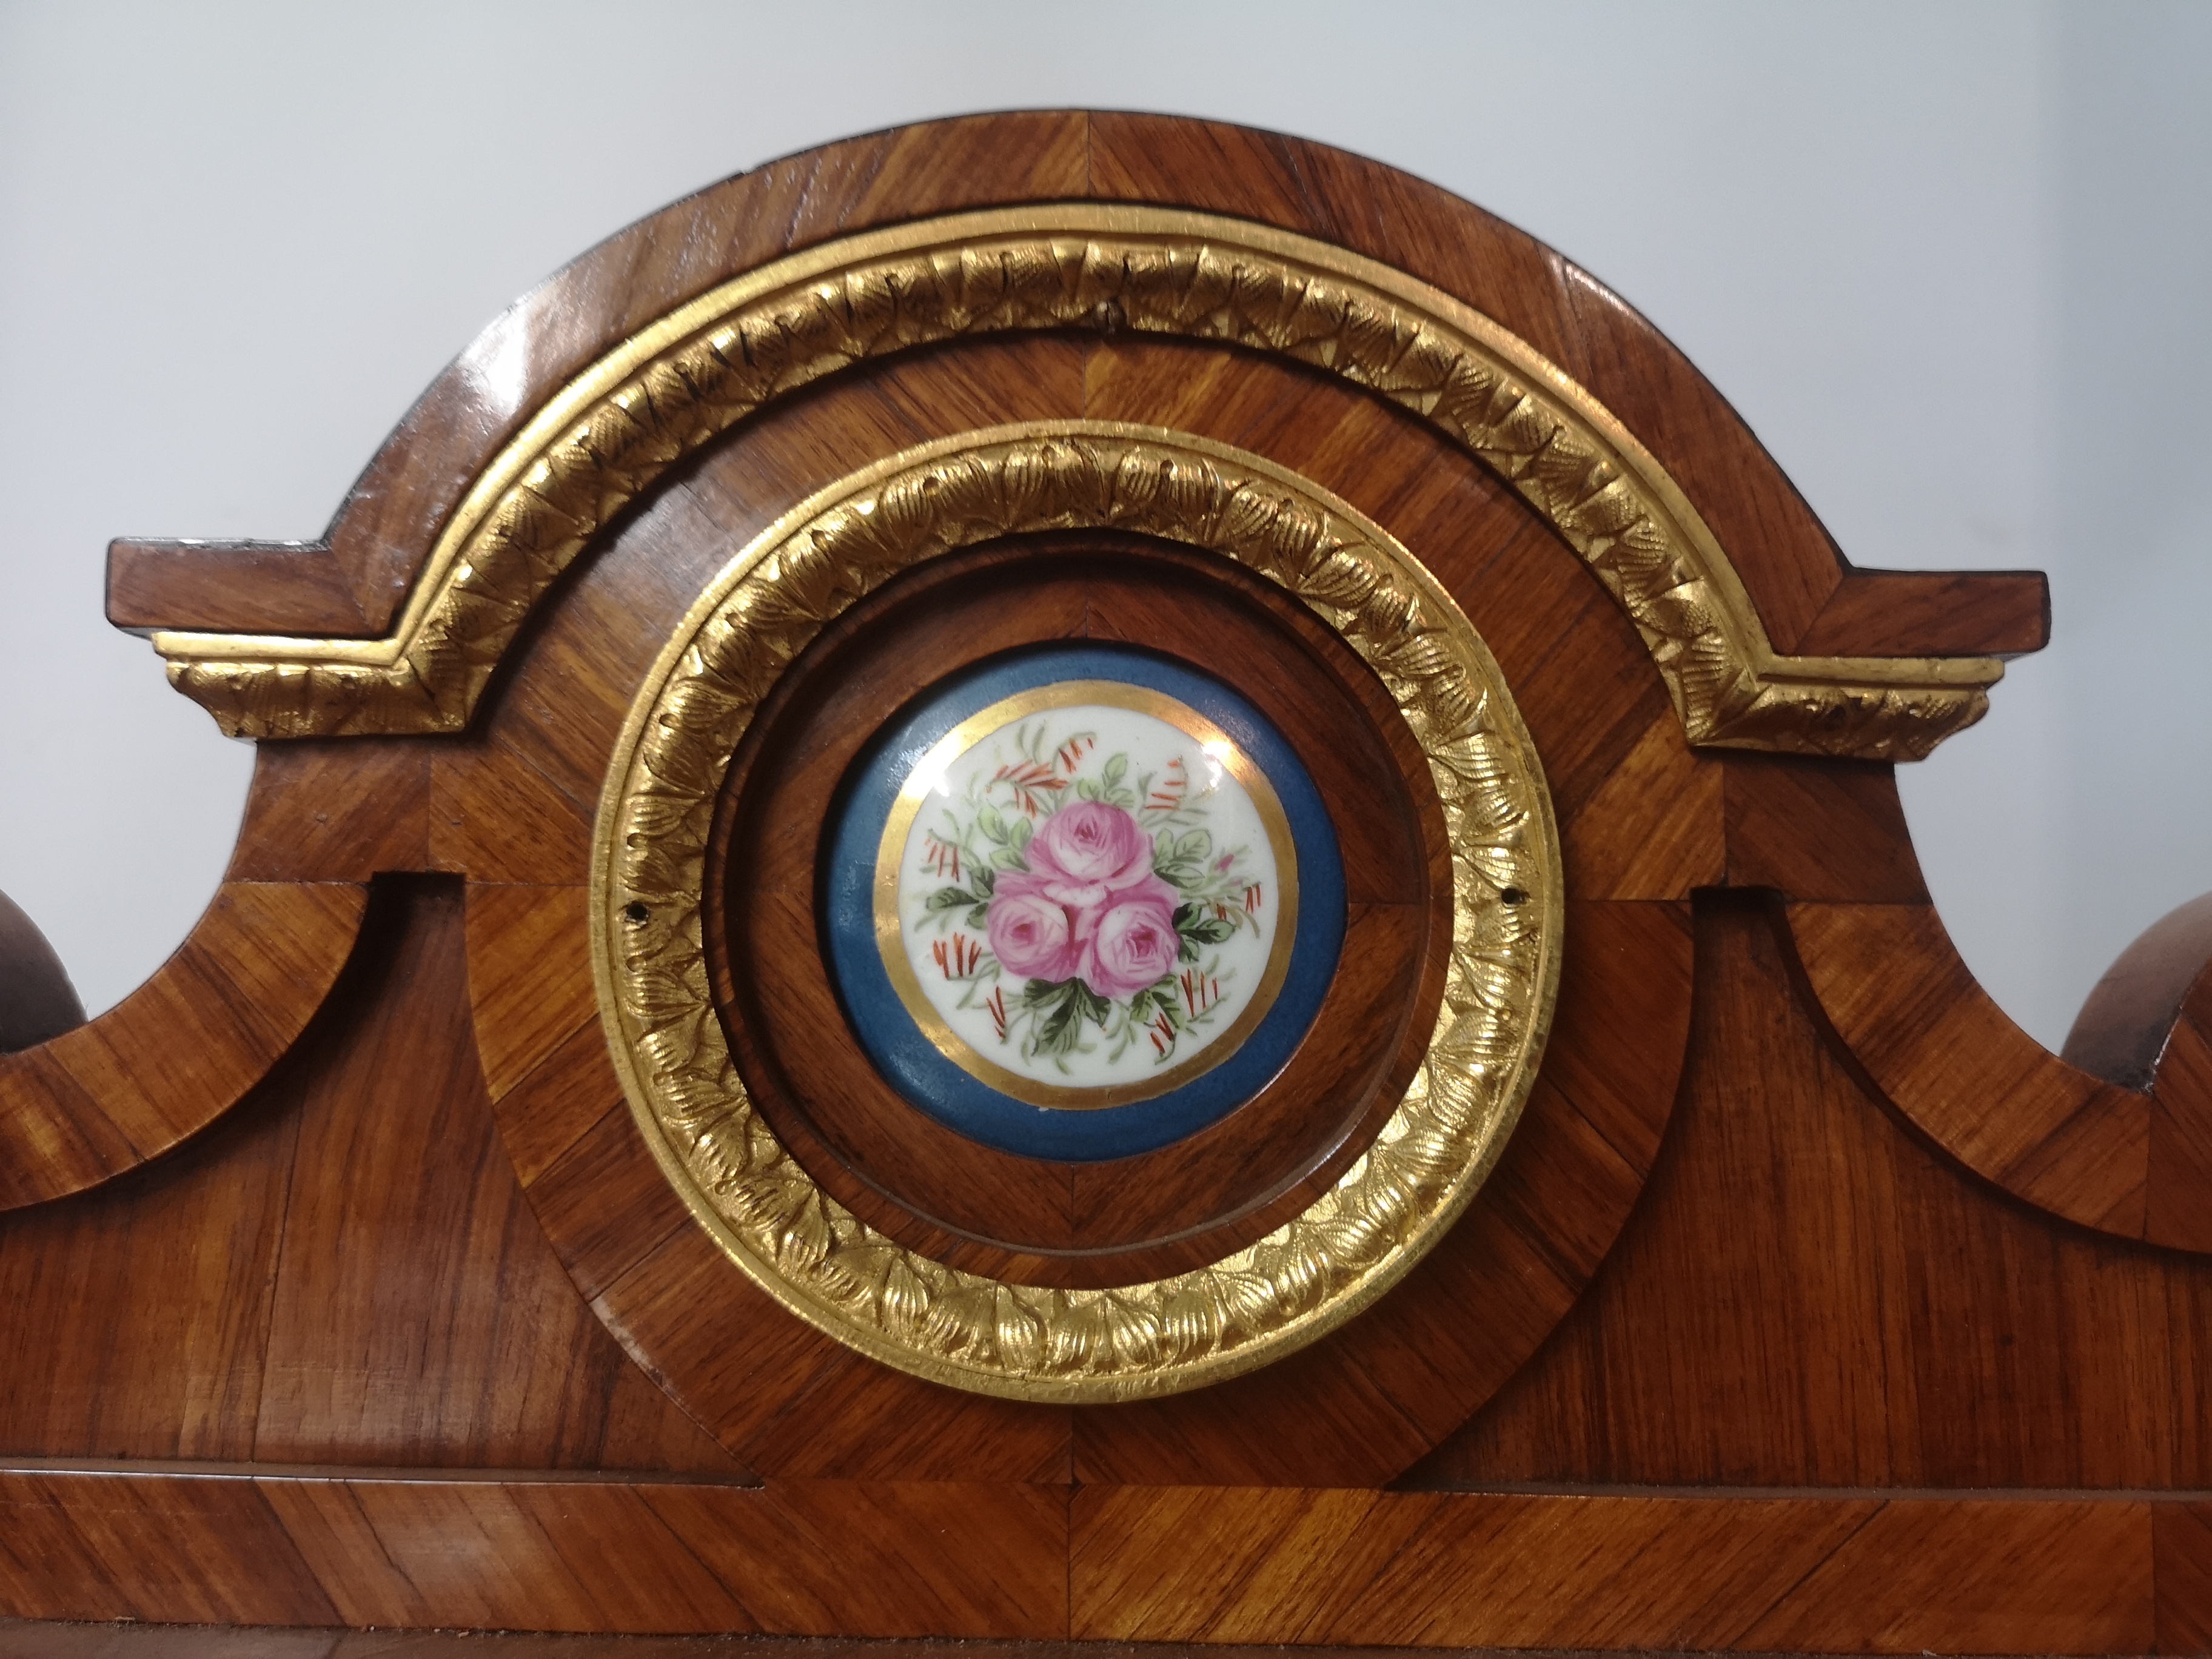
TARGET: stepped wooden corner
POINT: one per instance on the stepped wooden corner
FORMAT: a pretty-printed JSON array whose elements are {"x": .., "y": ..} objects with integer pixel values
[{"x": 501, "y": 1211}]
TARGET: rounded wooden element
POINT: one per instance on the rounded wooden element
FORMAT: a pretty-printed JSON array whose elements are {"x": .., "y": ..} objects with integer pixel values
[
  {"x": 1127, "y": 1219},
  {"x": 1670, "y": 1373},
  {"x": 977, "y": 1332},
  {"x": 37, "y": 1002},
  {"x": 1640, "y": 823}
]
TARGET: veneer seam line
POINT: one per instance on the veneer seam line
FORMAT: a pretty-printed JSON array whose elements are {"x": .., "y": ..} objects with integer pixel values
[{"x": 205, "y": 1469}]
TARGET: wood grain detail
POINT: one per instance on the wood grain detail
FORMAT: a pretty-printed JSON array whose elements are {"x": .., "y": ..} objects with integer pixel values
[
  {"x": 2105, "y": 1136},
  {"x": 1811, "y": 1307},
  {"x": 1360, "y": 1408},
  {"x": 1811, "y": 1294},
  {"x": 1923, "y": 613},
  {"x": 844, "y": 1559},
  {"x": 783, "y": 1398},
  {"x": 182, "y": 1048},
  {"x": 1131, "y": 1218},
  {"x": 2181, "y": 1546},
  {"x": 1911, "y": 1013},
  {"x": 415, "y": 1316},
  {"x": 2180, "y": 1204},
  {"x": 739, "y": 1365},
  {"x": 785, "y": 1402},
  {"x": 1826, "y": 832},
  {"x": 1847, "y": 1572},
  {"x": 1786, "y": 558},
  {"x": 2122, "y": 1031},
  {"x": 323, "y": 811},
  {"x": 530, "y": 975},
  {"x": 342, "y": 1269}
]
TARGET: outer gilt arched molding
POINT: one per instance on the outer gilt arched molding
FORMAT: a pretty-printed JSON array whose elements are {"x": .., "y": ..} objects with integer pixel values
[{"x": 604, "y": 436}]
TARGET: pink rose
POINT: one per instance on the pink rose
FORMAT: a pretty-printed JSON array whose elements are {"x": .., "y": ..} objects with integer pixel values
[
  {"x": 1088, "y": 852},
  {"x": 1031, "y": 931},
  {"x": 1130, "y": 941}
]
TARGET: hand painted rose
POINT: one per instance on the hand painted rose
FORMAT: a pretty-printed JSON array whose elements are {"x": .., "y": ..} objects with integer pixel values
[
  {"x": 1030, "y": 932},
  {"x": 1133, "y": 942},
  {"x": 1088, "y": 852}
]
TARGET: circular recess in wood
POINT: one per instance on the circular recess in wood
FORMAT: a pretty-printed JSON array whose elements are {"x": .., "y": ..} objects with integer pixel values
[
  {"x": 1032, "y": 1219},
  {"x": 1079, "y": 900}
]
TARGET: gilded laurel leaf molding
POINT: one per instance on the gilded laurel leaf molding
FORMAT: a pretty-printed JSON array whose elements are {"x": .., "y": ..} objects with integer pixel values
[
  {"x": 675, "y": 384},
  {"x": 987, "y": 1335}
]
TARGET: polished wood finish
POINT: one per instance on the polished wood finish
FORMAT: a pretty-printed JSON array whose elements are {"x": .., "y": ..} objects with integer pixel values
[
  {"x": 1934, "y": 1042},
  {"x": 181, "y": 1049},
  {"x": 1359, "y": 1408},
  {"x": 37, "y": 1002},
  {"x": 1610, "y": 742},
  {"x": 1704, "y": 1570},
  {"x": 1810, "y": 1306},
  {"x": 1210, "y": 1194},
  {"x": 343, "y": 1270},
  {"x": 352, "y": 581},
  {"x": 1913, "y": 613},
  {"x": 1852, "y": 1574},
  {"x": 2123, "y": 1030},
  {"x": 1811, "y": 1295},
  {"x": 2125, "y": 1161},
  {"x": 356, "y": 1547}
]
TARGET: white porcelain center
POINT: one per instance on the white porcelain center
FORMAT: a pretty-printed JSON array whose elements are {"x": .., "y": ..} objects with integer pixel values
[{"x": 1085, "y": 893}]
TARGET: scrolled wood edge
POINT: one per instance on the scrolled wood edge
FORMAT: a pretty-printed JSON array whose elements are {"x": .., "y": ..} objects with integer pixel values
[
  {"x": 2131, "y": 1162},
  {"x": 181, "y": 1049},
  {"x": 603, "y": 439}
]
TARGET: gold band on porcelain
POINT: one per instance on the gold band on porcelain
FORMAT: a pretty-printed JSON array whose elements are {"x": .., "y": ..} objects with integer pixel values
[
  {"x": 604, "y": 437},
  {"x": 890, "y": 856},
  {"x": 966, "y": 1330}
]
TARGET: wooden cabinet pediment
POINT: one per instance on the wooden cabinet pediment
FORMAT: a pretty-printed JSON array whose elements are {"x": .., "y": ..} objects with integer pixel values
[{"x": 1393, "y": 1080}]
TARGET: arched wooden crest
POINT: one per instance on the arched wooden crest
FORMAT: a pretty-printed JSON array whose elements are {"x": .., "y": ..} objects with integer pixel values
[{"x": 1081, "y": 875}]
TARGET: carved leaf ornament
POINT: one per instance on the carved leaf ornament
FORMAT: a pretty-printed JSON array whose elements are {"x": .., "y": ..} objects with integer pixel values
[
  {"x": 965, "y": 1329},
  {"x": 678, "y": 383}
]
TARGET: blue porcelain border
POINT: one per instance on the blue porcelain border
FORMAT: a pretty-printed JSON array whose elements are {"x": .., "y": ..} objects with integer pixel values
[{"x": 911, "y": 1062}]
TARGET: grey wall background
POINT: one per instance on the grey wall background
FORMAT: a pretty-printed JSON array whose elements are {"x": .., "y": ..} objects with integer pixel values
[{"x": 1952, "y": 262}]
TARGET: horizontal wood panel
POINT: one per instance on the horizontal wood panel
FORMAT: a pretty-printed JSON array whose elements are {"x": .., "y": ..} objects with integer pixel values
[
  {"x": 851, "y": 1558},
  {"x": 1836, "y": 1570},
  {"x": 1932, "y": 613},
  {"x": 1841, "y": 1573}
]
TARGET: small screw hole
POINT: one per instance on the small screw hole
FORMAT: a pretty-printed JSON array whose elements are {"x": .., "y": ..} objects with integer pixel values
[
  {"x": 635, "y": 914},
  {"x": 1514, "y": 895}
]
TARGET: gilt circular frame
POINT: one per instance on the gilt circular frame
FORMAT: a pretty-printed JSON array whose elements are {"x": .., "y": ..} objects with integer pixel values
[{"x": 970, "y": 1331}]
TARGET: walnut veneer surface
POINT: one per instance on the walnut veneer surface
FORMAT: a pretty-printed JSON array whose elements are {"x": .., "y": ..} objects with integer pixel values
[{"x": 1812, "y": 1306}]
